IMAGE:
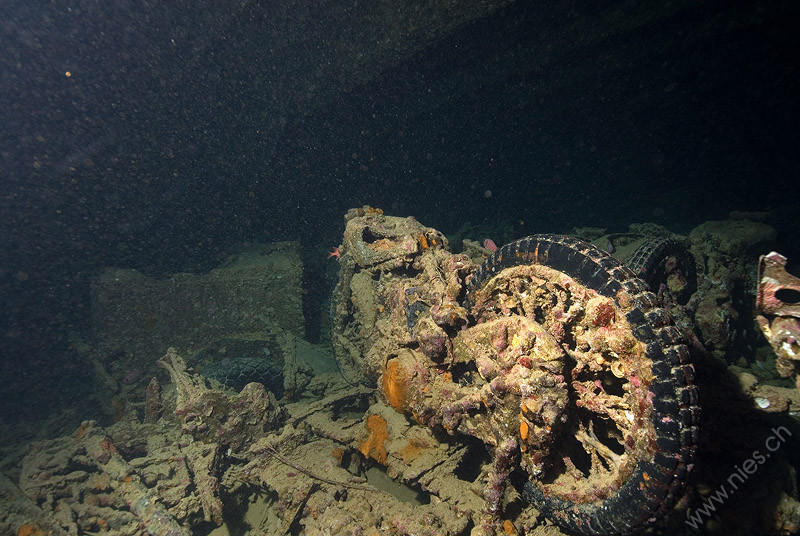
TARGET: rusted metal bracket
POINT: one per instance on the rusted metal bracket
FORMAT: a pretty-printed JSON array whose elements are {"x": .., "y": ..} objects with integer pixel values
[
  {"x": 778, "y": 295},
  {"x": 773, "y": 278}
]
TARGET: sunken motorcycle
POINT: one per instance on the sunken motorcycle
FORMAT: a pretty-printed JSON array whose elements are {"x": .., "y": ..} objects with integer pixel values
[{"x": 551, "y": 352}]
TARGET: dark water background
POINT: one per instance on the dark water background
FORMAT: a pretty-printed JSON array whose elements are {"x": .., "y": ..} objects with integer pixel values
[{"x": 186, "y": 128}]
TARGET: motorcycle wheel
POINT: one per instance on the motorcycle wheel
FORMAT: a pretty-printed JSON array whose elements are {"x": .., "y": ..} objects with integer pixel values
[{"x": 625, "y": 445}]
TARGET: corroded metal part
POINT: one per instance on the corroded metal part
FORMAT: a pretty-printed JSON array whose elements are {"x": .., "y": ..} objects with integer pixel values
[
  {"x": 772, "y": 279},
  {"x": 783, "y": 334},
  {"x": 382, "y": 259},
  {"x": 782, "y": 328}
]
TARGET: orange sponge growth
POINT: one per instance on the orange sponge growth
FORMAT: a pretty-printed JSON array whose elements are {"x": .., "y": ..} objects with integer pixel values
[
  {"x": 523, "y": 429},
  {"x": 395, "y": 385},
  {"x": 29, "y": 530},
  {"x": 373, "y": 447}
]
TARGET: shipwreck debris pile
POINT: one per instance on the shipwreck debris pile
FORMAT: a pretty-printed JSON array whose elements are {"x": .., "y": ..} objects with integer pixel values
[{"x": 503, "y": 392}]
